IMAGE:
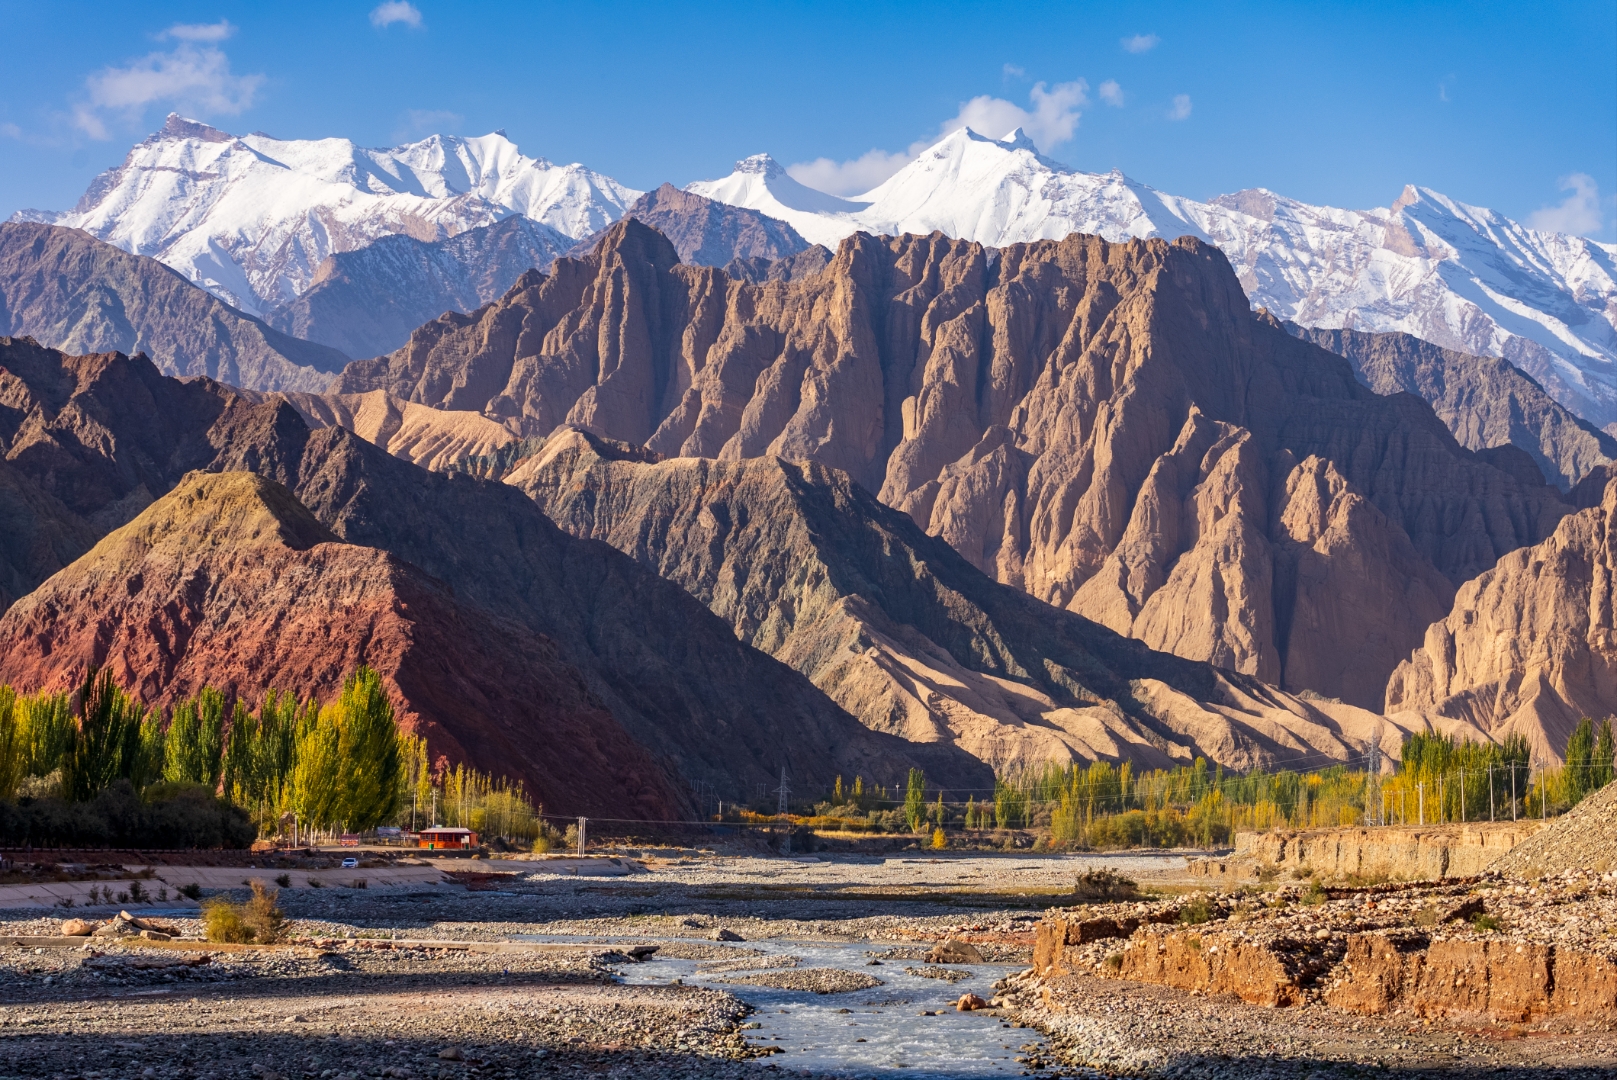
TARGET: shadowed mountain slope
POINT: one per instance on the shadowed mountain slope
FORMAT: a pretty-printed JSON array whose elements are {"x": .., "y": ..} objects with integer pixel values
[
  {"x": 105, "y": 435},
  {"x": 1105, "y": 426},
  {"x": 905, "y": 634},
  {"x": 1486, "y": 402},
  {"x": 366, "y": 302},
  {"x": 705, "y": 232},
  {"x": 70, "y": 291},
  {"x": 229, "y": 581}
]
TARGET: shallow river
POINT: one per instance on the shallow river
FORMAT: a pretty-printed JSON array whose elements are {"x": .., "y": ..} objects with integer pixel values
[{"x": 872, "y": 1032}]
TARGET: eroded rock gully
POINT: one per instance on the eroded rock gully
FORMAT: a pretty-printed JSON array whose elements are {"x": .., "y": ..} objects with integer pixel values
[
  {"x": 1105, "y": 426},
  {"x": 902, "y": 632},
  {"x": 1530, "y": 646},
  {"x": 1484, "y": 948}
]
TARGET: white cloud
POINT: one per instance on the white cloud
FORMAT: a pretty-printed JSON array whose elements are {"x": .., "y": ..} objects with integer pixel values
[
  {"x": 1049, "y": 122},
  {"x": 1140, "y": 43},
  {"x": 396, "y": 11},
  {"x": 10, "y": 131},
  {"x": 1181, "y": 107},
  {"x": 190, "y": 76},
  {"x": 849, "y": 177},
  {"x": 1578, "y": 214},
  {"x": 199, "y": 31},
  {"x": 1111, "y": 93},
  {"x": 1014, "y": 71}
]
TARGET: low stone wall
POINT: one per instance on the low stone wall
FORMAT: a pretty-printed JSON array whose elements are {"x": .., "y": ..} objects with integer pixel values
[{"x": 1384, "y": 853}]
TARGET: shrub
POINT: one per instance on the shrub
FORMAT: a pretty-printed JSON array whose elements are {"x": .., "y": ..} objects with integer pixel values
[
  {"x": 190, "y": 889},
  {"x": 262, "y": 915},
  {"x": 1315, "y": 895},
  {"x": 222, "y": 922},
  {"x": 1104, "y": 884},
  {"x": 1485, "y": 923},
  {"x": 284, "y": 880},
  {"x": 1114, "y": 962},
  {"x": 259, "y": 920},
  {"x": 939, "y": 841},
  {"x": 1196, "y": 912}
]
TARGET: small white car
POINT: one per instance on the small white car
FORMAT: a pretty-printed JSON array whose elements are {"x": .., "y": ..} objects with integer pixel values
[{"x": 350, "y": 863}]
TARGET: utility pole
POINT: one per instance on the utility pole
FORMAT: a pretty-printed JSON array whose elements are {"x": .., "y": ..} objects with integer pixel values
[
  {"x": 1513, "y": 791},
  {"x": 583, "y": 824},
  {"x": 1462, "y": 796},
  {"x": 1420, "y": 790},
  {"x": 1374, "y": 777},
  {"x": 1490, "y": 793},
  {"x": 786, "y": 844}
]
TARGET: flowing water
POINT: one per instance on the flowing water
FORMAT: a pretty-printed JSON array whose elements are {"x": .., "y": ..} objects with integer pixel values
[{"x": 875, "y": 1032}]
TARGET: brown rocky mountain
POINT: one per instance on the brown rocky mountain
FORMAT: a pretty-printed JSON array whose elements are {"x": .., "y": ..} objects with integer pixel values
[
  {"x": 365, "y": 302},
  {"x": 905, "y": 634},
  {"x": 432, "y": 438},
  {"x": 1531, "y": 644},
  {"x": 1105, "y": 426},
  {"x": 1485, "y": 401},
  {"x": 229, "y": 581},
  {"x": 704, "y": 232},
  {"x": 105, "y": 435},
  {"x": 70, "y": 291}
]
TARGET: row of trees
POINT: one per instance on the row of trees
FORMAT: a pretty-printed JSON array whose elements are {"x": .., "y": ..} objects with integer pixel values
[
  {"x": 1438, "y": 779},
  {"x": 345, "y": 764}
]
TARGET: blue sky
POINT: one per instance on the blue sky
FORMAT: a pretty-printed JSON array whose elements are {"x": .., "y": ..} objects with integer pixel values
[{"x": 1512, "y": 106}]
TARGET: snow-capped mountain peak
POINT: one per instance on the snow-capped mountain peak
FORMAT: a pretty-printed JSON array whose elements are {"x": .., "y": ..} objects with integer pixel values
[
  {"x": 1460, "y": 276},
  {"x": 759, "y": 183},
  {"x": 251, "y": 218}
]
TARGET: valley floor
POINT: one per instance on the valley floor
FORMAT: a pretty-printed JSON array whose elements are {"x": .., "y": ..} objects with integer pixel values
[{"x": 525, "y": 969}]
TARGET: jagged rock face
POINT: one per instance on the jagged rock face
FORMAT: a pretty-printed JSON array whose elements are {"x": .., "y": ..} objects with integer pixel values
[
  {"x": 229, "y": 581},
  {"x": 906, "y": 635},
  {"x": 1529, "y": 646},
  {"x": 365, "y": 302},
  {"x": 1486, "y": 402},
  {"x": 72, "y": 292},
  {"x": 1094, "y": 423},
  {"x": 707, "y": 233},
  {"x": 106, "y": 435}
]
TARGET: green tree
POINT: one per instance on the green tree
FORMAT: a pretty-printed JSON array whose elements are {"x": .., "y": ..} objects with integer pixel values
[
  {"x": 1580, "y": 753},
  {"x": 915, "y": 800},
  {"x": 13, "y": 745},
  {"x": 371, "y": 752},
  {"x": 1602, "y": 768},
  {"x": 194, "y": 750},
  {"x": 105, "y": 743},
  {"x": 312, "y": 792},
  {"x": 47, "y": 728}
]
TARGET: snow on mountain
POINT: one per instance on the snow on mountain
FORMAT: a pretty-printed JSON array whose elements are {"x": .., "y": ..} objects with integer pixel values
[
  {"x": 250, "y": 218},
  {"x": 1459, "y": 276},
  {"x": 759, "y": 183}
]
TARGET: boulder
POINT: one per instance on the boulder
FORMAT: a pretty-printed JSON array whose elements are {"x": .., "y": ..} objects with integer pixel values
[
  {"x": 726, "y": 935},
  {"x": 951, "y": 951},
  {"x": 970, "y": 1003},
  {"x": 78, "y": 927}
]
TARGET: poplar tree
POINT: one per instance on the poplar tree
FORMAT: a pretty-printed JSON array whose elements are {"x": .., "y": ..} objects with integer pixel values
[
  {"x": 13, "y": 745},
  {"x": 915, "y": 800},
  {"x": 370, "y": 751},
  {"x": 104, "y": 745},
  {"x": 194, "y": 749}
]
